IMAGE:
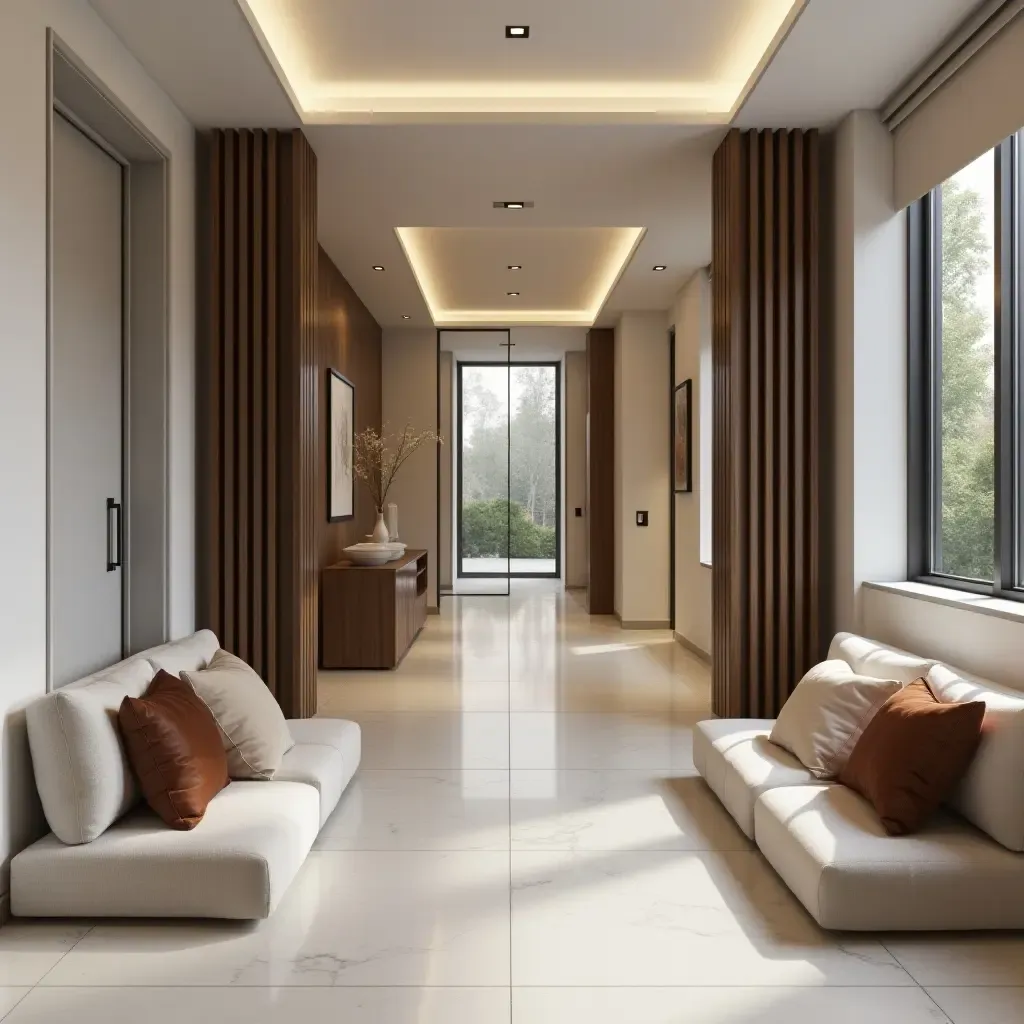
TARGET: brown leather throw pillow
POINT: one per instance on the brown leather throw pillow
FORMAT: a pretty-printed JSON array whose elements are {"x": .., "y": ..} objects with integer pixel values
[
  {"x": 175, "y": 750},
  {"x": 912, "y": 754}
]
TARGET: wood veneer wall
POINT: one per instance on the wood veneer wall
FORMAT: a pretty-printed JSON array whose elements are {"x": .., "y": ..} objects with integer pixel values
[
  {"x": 257, "y": 517},
  {"x": 769, "y": 485},
  {"x": 601, "y": 470}
]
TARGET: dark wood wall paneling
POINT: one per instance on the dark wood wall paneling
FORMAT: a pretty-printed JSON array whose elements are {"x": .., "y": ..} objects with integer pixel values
[
  {"x": 769, "y": 489},
  {"x": 601, "y": 470},
  {"x": 258, "y": 504},
  {"x": 349, "y": 341}
]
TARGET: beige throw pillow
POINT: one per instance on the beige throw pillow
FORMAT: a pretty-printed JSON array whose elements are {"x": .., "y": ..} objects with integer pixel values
[
  {"x": 252, "y": 725},
  {"x": 826, "y": 714}
]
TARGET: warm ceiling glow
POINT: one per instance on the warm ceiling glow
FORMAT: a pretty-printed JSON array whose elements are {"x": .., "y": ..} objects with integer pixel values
[
  {"x": 277, "y": 27},
  {"x": 619, "y": 255}
]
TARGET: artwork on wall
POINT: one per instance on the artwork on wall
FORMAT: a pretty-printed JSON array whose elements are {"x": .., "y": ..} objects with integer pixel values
[
  {"x": 341, "y": 419},
  {"x": 682, "y": 450}
]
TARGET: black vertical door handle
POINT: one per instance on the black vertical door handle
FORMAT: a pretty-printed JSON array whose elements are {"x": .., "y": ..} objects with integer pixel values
[{"x": 113, "y": 536}]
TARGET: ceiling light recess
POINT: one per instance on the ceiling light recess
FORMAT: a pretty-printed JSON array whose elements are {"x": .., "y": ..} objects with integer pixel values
[
  {"x": 416, "y": 245},
  {"x": 378, "y": 268},
  {"x": 517, "y": 31},
  {"x": 512, "y": 295},
  {"x": 659, "y": 267},
  {"x": 515, "y": 266},
  {"x": 513, "y": 204}
]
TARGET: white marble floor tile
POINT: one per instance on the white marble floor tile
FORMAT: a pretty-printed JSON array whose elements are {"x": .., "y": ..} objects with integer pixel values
[
  {"x": 742, "y": 1005},
  {"x": 264, "y": 1006},
  {"x": 344, "y": 694},
  {"x": 434, "y": 740},
  {"x": 350, "y": 918},
  {"x": 595, "y": 809},
  {"x": 961, "y": 960},
  {"x": 9, "y": 999},
  {"x": 980, "y": 1005},
  {"x": 673, "y": 918},
  {"x": 435, "y": 809},
  {"x": 29, "y": 949},
  {"x": 569, "y": 740}
]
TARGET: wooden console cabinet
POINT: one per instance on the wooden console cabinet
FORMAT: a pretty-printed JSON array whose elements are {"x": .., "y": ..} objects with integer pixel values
[{"x": 370, "y": 615}]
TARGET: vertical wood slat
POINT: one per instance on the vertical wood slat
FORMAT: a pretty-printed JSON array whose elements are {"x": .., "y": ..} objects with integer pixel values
[
  {"x": 769, "y": 543},
  {"x": 258, "y": 528},
  {"x": 601, "y": 471}
]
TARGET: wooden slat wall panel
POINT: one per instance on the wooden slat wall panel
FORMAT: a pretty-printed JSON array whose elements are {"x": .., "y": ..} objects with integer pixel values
[
  {"x": 769, "y": 541},
  {"x": 601, "y": 471},
  {"x": 257, "y": 511}
]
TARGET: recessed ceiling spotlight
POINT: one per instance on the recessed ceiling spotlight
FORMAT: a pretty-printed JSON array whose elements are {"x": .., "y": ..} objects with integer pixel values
[
  {"x": 513, "y": 204},
  {"x": 405, "y": 316},
  {"x": 379, "y": 269},
  {"x": 512, "y": 295},
  {"x": 515, "y": 266},
  {"x": 517, "y": 31},
  {"x": 661, "y": 266}
]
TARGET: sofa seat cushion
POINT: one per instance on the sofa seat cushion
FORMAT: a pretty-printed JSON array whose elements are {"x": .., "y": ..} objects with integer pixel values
[
  {"x": 236, "y": 863},
  {"x": 739, "y": 763},
  {"x": 830, "y": 848},
  {"x": 320, "y": 766}
]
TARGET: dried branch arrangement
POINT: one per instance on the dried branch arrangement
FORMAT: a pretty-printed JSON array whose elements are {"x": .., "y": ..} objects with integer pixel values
[{"x": 378, "y": 458}]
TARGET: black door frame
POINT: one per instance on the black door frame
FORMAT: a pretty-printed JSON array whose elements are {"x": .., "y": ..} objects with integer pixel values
[{"x": 509, "y": 364}]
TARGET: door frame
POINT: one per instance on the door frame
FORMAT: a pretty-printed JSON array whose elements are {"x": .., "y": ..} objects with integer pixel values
[
  {"x": 77, "y": 96},
  {"x": 557, "y": 574}
]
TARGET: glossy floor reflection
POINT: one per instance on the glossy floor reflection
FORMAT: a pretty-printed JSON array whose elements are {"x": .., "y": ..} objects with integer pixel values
[{"x": 526, "y": 842}]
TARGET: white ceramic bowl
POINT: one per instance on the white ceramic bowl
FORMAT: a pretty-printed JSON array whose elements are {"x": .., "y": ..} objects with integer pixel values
[
  {"x": 369, "y": 554},
  {"x": 397, "y": 549}
]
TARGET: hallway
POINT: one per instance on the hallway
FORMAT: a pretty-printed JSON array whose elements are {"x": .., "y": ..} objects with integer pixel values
[{"x": 526, "y": 841}]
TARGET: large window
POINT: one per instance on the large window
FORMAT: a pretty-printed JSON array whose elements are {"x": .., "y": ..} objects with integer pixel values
[{"x": 965, "y": 495}]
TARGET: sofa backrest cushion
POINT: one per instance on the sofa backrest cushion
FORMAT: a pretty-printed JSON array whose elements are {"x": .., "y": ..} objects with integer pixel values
[
  {"x": 82, "y": 774},
  {"x": 870, "y": 658},
  {"x": 991, "y": 793}
]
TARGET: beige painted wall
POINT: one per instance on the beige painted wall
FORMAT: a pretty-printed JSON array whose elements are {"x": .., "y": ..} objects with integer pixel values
[
  {"x": 575, "y": 469},
  {"x": 23, "y": 358},
  {"x": 691, "y": 316},
  {"x": 642, "y": 477},
  {"x": 409, "y": 388}
]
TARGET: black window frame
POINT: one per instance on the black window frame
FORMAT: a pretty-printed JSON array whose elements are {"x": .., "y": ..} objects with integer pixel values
[{"x": 924, "y": 377}]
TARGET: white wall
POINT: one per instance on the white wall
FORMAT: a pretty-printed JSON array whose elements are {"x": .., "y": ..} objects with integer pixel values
[
  {"x": 691, "y": 316},
  {"x": 642, "y": 477},
  {"x": 870, "y": 379},
  {"x": 409, "y": 388},
  {"x": 23, "y": 114},
  {"x": 23, "y": 357}
]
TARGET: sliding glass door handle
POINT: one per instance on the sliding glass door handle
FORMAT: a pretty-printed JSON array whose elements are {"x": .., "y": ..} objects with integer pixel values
[{"x": 113, "y": 535}]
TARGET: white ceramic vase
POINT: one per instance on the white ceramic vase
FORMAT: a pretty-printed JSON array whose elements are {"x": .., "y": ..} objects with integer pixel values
[{"x": 380, "y": 531}]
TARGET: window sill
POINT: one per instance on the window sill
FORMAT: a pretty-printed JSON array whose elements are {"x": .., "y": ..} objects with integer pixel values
[{"x": 982, "y": 604}]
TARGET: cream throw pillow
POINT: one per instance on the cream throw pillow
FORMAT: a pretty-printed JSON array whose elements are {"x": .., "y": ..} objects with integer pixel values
[
  {"x": 826, "y": 713},
  {"x": 252, "y": 725}
]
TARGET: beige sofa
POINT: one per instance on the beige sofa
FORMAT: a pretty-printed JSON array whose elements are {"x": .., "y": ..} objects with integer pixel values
[
  {"x": 108, "y": 855},
  {"x": 828, "y": 845}
]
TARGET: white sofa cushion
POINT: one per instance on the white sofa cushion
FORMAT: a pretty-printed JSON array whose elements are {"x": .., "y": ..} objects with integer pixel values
[
  {"x": 870, "y": 658},
  {"x": 237, "y": 863},
  {"x": 829, "y": 847},
  {"x": 251, "y": 722},
  {"x": 826, "y": 714},
  {"x": 81, "y": 772},
  {"x": 739, "y": 762},
  {"x": 84, "y": 780},
  {"x": 991, "y": 794}
]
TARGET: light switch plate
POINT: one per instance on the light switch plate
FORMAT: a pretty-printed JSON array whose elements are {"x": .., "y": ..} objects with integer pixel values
[{"x": 641, "y": 519}]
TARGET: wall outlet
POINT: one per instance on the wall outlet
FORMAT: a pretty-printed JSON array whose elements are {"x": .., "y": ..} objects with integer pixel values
[
  {"x": 641, "y": 519},
  {"x": 579, "y": 513}
]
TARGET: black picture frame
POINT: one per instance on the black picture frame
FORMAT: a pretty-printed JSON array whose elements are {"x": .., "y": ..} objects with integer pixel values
[
  {"x": 682, "y": 438},
  {"x": 341, "y": 494}
]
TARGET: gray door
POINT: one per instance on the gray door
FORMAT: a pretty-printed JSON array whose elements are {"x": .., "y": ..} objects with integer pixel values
[{"x": 86, "y": 433}]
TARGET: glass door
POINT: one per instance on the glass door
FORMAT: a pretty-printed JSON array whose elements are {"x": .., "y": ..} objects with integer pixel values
[{"x": 509, "y": 501}]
